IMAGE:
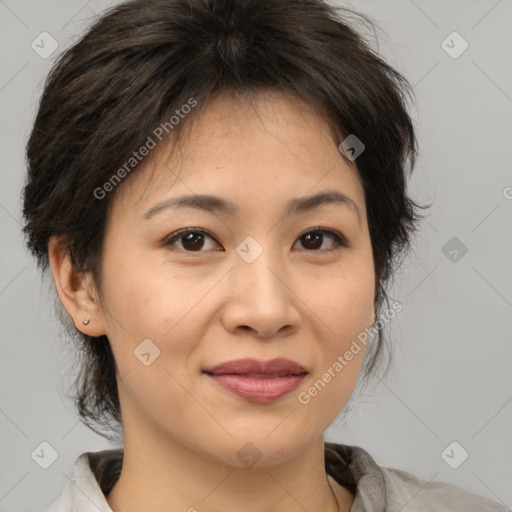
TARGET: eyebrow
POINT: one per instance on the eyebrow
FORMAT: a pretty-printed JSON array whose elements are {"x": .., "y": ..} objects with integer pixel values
[{"x": 216, "y": 204}]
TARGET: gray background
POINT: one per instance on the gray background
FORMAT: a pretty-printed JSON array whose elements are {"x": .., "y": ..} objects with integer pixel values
[{"x": 450, "y": 380}]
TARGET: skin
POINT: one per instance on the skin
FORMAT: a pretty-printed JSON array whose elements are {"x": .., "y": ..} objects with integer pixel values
[{"x": 202, "y": 307}]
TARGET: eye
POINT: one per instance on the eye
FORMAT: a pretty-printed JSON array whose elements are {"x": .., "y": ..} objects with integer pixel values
[
  {"x": 314, "y": 238},
  {"x": 193, "y": 239}
]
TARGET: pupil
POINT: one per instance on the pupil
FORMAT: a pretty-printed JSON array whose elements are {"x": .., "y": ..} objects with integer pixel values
[
  {"x": 189, "y": 237},
  {"x": 317, "y": 236}
]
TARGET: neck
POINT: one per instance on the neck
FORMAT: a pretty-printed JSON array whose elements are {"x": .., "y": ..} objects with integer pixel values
[{"x": 162, "y": 476}]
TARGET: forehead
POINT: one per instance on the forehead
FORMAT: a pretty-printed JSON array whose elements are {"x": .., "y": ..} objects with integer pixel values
[{"x": 265, "y": 148}]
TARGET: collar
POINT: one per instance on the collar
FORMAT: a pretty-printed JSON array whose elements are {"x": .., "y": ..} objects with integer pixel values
[{"x": 95, "y": 474}]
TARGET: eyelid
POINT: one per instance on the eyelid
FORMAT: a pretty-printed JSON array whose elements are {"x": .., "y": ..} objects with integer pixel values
[{"x": 324, "y": 230}]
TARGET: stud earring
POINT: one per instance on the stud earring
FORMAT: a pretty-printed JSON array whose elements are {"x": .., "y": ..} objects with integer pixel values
[{"x": 85, "y": 322}]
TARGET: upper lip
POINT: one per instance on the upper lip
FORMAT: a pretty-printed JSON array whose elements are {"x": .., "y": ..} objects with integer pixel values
[{"x": 243, "y": 366}]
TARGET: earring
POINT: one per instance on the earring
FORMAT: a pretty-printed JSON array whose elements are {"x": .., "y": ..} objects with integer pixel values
[{"x": 85, "y": 322}]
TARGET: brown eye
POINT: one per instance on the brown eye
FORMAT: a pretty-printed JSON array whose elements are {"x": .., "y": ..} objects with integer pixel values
[
  {"x": 192, "y": 240},
  {"x": 315, "y": 238}
]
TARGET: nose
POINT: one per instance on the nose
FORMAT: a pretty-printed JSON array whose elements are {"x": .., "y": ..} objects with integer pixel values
[{"x": 261, "y": 299}]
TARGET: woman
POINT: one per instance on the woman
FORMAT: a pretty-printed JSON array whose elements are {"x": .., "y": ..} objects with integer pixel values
[{"x": 219, "y": 190}]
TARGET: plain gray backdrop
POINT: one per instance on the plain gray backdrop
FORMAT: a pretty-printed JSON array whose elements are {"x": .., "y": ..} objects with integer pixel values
[{"x": 450, "y": 381}]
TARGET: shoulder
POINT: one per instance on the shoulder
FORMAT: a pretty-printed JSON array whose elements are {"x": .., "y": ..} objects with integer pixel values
[
  {"x": 403, "y": 488},
  {"x": 385, "y": 489},
  {"x": 93, "y": 475}
]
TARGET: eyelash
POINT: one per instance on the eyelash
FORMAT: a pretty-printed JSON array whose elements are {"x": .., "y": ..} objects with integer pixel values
[{"x": 339, "y": 240}]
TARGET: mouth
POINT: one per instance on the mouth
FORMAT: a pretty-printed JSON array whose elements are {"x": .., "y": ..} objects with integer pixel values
[
  {"x": 279, "y": 367},
  {"x": 258, "y": 381}
]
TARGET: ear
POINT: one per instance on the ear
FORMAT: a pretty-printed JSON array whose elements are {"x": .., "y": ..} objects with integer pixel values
[{"x": 76, "y": 291}]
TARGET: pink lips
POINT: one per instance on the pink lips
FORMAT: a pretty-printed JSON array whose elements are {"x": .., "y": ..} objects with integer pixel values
[{"x": 258, "y": 381}]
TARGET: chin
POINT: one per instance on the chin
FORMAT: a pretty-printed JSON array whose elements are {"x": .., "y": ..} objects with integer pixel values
[{"x": 260, "y": 449}]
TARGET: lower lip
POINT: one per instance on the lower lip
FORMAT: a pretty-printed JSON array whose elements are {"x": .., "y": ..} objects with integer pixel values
[{"x": 254, "y": 389}]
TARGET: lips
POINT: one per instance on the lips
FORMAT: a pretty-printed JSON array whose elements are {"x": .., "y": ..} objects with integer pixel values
[
  {"x": 258, "y": 381},
  {"x": 279, "y": 367}
]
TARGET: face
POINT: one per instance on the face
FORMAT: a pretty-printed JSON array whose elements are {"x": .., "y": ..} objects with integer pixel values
[{"x": 253, "y": 280}]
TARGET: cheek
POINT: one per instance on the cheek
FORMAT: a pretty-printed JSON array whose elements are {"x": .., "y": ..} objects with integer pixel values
[
  {"x": 154, "y": 329},
  {"x": 151, "y": 302},
  {"x": 139, "y": 293},
  {"x": 341, "y": 310},
  {"x": 343, "y": 302}
]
